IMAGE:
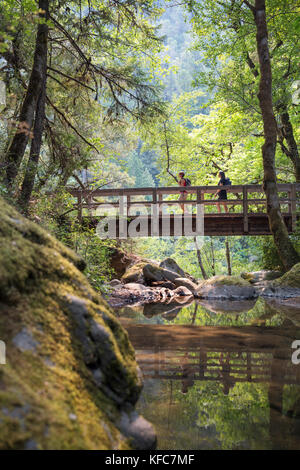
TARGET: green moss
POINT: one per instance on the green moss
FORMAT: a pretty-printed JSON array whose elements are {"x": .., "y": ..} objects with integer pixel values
[
  {"x": 226, "y": 281},
  {"x": 134, "y": 272},
  {"x": 289, "y": 279},
  {"x": 247, "y": 276},
  {"x": 48, "y": 395}
]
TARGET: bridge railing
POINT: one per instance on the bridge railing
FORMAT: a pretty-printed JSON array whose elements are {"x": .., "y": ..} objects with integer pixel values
[{"x": 250, "y": 198}]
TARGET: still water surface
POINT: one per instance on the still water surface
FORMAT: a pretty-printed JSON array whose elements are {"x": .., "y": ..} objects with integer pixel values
[{"x": 218, "y": 375}]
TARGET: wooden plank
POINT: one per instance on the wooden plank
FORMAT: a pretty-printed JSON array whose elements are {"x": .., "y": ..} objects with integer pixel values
[{"x": 175, "y": 190}]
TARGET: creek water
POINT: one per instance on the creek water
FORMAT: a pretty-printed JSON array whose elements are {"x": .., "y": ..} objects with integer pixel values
[{"x": 219, "y": 375}]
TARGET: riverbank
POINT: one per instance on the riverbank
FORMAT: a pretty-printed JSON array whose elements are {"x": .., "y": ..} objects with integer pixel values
[{"x": 145, "y": 281}]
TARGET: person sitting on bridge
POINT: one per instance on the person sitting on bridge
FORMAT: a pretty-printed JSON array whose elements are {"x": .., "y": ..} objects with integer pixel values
[
  {"x": 222, "y": 193},
  {"x": 182, "y": 181}
]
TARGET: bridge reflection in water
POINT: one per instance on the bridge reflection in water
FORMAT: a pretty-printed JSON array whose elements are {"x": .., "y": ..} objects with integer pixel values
[{"x": 186, "y": 355}]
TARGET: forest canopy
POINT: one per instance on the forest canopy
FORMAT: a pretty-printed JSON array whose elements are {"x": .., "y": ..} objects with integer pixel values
[{"x": 126, "y": 93}]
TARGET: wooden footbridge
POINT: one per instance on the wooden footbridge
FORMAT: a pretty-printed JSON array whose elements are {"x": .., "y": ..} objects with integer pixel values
[
  {"x": 136, "y": 212},
  {"x": 208, "y": 353}
]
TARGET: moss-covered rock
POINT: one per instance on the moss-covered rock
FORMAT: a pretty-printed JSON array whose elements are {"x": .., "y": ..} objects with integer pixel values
[
  {"x": 154, "y": 273},
  {"x": 171, "y": 265},
  {"x": 285, "y": 286},
  {"x": 120, "y": 260},
  {"x": 290, "y": 279},
  {"x": 226, "y": 287},
  {"x": 134, "y": 273},
  {"x": 70, "y": 372},
  {"x": 261, "y": 276}
]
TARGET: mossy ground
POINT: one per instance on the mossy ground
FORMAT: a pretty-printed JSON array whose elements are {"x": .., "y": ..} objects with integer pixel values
[{"x": 47, "y": 395}]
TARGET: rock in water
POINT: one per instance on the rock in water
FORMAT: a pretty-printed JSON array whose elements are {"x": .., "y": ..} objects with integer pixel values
[
  {"x": 155, "y": 273},
  {"x": 186, "y": 283},
  {"x": 66, "y": 354},
  {"x": 260, "y": 276},
  {"x": 171, "y": 265},
  {"x": 285, "y": 286},
  {"x": 226, "y": 287},
  {"x": 167, "y": 284}
]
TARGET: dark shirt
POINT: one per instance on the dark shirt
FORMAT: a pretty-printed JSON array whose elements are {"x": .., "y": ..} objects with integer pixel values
[{"x": 222, "y": 193}]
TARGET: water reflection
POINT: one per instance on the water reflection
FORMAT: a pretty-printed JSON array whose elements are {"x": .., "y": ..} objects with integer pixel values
[{"x": 219, "y": 376}]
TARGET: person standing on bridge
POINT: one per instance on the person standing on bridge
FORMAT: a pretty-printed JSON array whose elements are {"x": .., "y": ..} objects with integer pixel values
[
  {"x": 182, "y": 181},
  {"x": 222, "y": 193}
]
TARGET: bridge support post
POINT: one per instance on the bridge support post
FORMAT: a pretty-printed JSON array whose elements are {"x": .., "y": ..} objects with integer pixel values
[
  {"x": 245, "y": 209},
  {"x": 155, "y": 215},
  {"x": 160, "y": 200},
  {"x": 123, "y": 216}
]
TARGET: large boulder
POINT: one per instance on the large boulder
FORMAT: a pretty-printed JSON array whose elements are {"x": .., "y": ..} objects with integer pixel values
[
  {"x": 226, "y": 287},
  {"x": 152, "y": 272},
  {"x": 167, "y": 284},
  {"x": 187, "y": 283},
  {"x": 119, "y": 261},
  {"x": 71, "y": 379},
  {"x": 171, "y": 265},
  {"x": 134, "y": 286},
  {"x": 286, "y": 286},
  {"x": 134, "y": 273},
  {"x": 261, "y": 276}
]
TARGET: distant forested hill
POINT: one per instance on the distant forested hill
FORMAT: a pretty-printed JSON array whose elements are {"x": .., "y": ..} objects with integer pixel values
[{"x": 178, "y": 39}]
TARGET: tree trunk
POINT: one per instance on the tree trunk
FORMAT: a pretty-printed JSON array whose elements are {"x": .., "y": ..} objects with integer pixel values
[
  {"x": 19, "y": 143},
  {"x": 286, "y": 132},
  {"x": 32, "y": 165},
  {"x": 228, "y": 260},
  {"x": 287, "y": 253},
  {"x": 204, "y": 275}
]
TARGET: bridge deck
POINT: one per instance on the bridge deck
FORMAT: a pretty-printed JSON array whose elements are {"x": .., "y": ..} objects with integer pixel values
[
  {"x": 214, "y": 225},
  {"x": 136, "y": 212}
]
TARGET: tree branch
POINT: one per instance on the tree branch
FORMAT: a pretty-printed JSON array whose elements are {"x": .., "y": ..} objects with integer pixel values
[
  {"x": 249, "y": 5},
  {"x": 168, "y": 153},
  {"x": 71, "y": 78},
  {"x": 60, "y": 113}
]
